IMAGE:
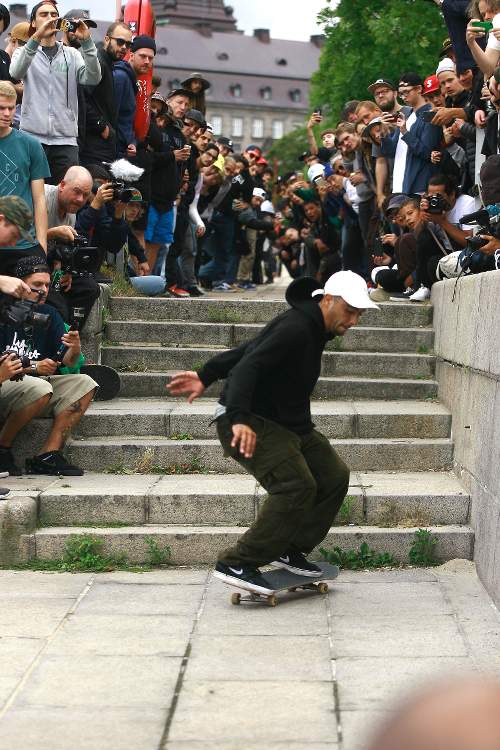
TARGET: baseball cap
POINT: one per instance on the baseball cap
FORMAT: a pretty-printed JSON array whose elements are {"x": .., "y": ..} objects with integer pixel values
[
  {"x": 254, "y": 149},
  {"x": 381, "y": 82},
  {"x": 411, "y": 79},
  {"x": 196, "y": 116},
  {"x": 227, "y": 142},
  {"x": 315, "y": 171},
  {"x": 267, "y": 208},
  {"x": 351, "y": 287},
  {"x": 446, "y": 48},
  {"x": 136, "y": 196},
  {"x": 305, "y": 155},
  {"x": 431, "y": 84},
  {"x": 373, "y": 122},
  {"x": 259, "y": 193},
  {"x": 17, "y": 212},
  {"x": 80, "y": 14},
  {"x": 396, "y": 201}
]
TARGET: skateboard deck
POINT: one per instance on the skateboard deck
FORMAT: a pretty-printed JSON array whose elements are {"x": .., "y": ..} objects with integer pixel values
[
  {"x": 283, "y": 581},
  {"x": 140, "y": 17}
]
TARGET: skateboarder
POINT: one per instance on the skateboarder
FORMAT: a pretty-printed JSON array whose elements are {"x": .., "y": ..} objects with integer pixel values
[{"x": 264, "y": 422}]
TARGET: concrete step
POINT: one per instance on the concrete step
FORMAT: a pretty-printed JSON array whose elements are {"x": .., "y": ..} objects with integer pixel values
[
  {"x": 377, "y": 499},
  {"x": 159, "y": 455},
  {"x": 137, "y": 384},
  {"x": 136, "y": 358},
  {"x": 196, "y": 545},
  {"x": 364, "y": 419},
  {"x": 391, "y": 314},
  {"x": 360, "y": 338}
]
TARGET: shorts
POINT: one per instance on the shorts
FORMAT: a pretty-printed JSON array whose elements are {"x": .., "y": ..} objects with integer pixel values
[
  {"x": 64, "y": 391},
  {"x": 160, "y": 228}
]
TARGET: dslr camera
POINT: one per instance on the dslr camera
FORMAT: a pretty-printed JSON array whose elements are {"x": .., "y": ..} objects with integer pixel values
[
  {"x": 488, "y": 221},
  {"x": 437, "y": 204},
  {"x": 75, "y": 258},
  {"x": 121, "y": 192},
  {"x": 25, "y": 362},
  {"x": 69, "y": 27},
  {"x": 22, "y": 313}
]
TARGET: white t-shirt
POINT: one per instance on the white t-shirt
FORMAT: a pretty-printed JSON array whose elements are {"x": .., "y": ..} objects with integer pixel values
[
  {"x": 398, "y": 174},
  {"x": 493, "y": 42},
  {"x": 465, "y": 204}
]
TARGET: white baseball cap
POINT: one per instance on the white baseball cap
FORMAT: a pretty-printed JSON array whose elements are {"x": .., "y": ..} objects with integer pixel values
[
  {"x": 259, "y": 193},
  {"x": 351, "y": 287},
  {"x": 267, "y": 208},
  {"x": 315, "y": 171}
]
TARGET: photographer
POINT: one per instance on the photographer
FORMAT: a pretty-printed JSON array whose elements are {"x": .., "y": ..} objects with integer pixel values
[
  {"x": 51, "y": 73},
  {"x": 42, "y": 391},
  {"x": 440, "y": 231},
  {"x": 76, "y": 287}
]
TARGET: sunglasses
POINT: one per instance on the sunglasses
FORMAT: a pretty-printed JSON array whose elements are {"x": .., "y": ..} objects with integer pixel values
[{"x": 121, "y": 42}]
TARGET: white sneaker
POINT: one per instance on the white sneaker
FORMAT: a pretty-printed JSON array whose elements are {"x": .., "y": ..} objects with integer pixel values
[{"x": 421, "y": 294}]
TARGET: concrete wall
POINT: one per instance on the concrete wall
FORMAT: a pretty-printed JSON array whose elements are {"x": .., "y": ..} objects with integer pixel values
[{"x": 467, "y": 344}]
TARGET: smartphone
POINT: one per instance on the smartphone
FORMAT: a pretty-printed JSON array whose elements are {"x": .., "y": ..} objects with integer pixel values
[
  {"x": 484, "y": 25},
  {"x": 428, "y": 116},
  {"x": 318, "y": 111}
]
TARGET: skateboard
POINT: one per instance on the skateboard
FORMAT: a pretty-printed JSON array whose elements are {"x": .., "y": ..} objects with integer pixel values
[{"x": 283, "y": 581}]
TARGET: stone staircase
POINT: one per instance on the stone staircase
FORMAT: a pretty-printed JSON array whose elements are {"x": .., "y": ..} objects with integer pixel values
[{"x": 155, "y": 468}]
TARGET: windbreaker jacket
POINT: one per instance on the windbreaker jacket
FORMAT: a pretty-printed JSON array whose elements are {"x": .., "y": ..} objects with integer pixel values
[
  {"x": 50, "y": 98},
  {"x": 274, "y": 375},
  {"x": 125, "y": 81}
]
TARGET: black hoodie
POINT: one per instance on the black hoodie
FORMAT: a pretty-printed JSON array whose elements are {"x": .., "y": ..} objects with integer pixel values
[{"x": 274, "y": 375}]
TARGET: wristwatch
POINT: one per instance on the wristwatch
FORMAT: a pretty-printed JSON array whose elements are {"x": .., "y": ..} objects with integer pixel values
[{"x": 34, "y": 369}]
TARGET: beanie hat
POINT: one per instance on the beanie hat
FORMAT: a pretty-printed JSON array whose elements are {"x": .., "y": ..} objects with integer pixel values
[
  {"x": 31, "y": 264},
  {"x": 143, "y": 41},
  {"x": 446, "y": 64}
]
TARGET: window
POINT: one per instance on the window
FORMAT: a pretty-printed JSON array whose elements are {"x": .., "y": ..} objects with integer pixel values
[
  {"x": 217, "y": 124},
  {"x": 258, "y": 128},
  {"x": 296, "y": 95},
  {"x": 237, "y": 127},
  {"x": 236, "y": 90},
  {"x": 281, "y": 61},
  {"x": 175, "y": 84},
  {"x": 266, "y": 93},
  {"x": 277, "y": 129},
  {"x": 162, "y": 51},
  {"x": 222, "y": 56}
]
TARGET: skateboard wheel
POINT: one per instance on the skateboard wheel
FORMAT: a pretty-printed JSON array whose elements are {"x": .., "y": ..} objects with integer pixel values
[
  {"x": 235, "y": 598},
  {"x": 272, "y": 601},
  {"x": 323, "y": 588}
]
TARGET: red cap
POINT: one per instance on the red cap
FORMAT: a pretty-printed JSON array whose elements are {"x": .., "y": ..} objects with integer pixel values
[
  {"x": 431, "y": 84},
  {"x": 262, "y": 161}
]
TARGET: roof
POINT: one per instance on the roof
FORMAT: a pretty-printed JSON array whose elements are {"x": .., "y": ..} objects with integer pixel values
[
  {"x": 187, "y": 49},
  {"x": 192, "y": 12}
]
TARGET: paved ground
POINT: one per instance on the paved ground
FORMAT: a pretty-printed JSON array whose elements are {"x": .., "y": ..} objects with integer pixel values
[{"x": 162, "y": 661}]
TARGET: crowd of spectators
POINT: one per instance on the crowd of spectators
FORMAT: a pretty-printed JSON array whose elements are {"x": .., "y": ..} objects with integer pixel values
[{"x": 384, "y": 194}]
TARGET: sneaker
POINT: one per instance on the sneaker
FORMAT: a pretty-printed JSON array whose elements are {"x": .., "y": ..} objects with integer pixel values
[
  {"x": 402, "y": 296},
  {"x": 54, "y": 464},
  {"x": 7, "y": 464},
  {"x": 243, "y": 576},
  {"x": 4, "y": 493},
  {"x": 250, "y": 285},
  {"x": 195, "y": 292},
  {"x": 379, "y": 295},
  {"x": 176, "y": 291},
  {"x": 421, "y": 294},
  {"x": 222, "y": 287},
  {"x": 298, "y": 563}
]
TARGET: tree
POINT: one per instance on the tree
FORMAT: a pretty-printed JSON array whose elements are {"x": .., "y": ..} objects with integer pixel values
[
  {"x": 288, "y": 149},
  {"x": 370, "y": 39}
]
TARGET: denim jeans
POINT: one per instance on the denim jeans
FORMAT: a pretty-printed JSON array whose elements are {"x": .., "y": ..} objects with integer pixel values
[{"x": 219, "y": 245}]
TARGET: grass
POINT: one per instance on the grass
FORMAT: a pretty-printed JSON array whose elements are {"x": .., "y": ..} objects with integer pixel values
[
  {"x": 223, "y": 316},
  {"x": 423, "y": 349},
  {"x": 146, "y": 465},
  {"x": 347, "y": 510},
  {"x": 83, "y": 553},
  {"x": 137, "y": 366},
  {"x": 390, "y": 516},
  {"x": 421, "y": 554},
  {"x": 337, "y": 344},
  {"x": 120, "y": 287},
  {"x": 181, "y": 436}
]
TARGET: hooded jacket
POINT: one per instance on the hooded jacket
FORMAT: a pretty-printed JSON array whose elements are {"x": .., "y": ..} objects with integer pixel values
[
  {"x": 274, "y": 375},
  {"x": 100, "y": 113},
  {"x": 50, "y": 100},
  {"x": 125, "y": 81}
]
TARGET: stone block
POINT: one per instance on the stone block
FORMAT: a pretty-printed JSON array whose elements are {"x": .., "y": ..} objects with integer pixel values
[{"x": 18, "y": 516}]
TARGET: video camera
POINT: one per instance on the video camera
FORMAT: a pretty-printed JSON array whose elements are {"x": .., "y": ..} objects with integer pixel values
[
  {"x": 123, "y": 173},
  {"x": 488, "y": 221},
  {"x": 75, "y": 258},
  {"x": 22, "y": 313}
]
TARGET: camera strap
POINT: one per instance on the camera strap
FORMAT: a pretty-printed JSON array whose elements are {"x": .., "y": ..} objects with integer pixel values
[{"x": 438, "y": 242}]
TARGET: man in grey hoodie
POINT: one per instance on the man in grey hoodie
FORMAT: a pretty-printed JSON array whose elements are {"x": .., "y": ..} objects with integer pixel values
[{"x": 51, "y": 73}]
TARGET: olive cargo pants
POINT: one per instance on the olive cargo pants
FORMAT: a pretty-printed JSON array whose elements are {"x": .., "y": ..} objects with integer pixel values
[{"x": 306, "y": 483}]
